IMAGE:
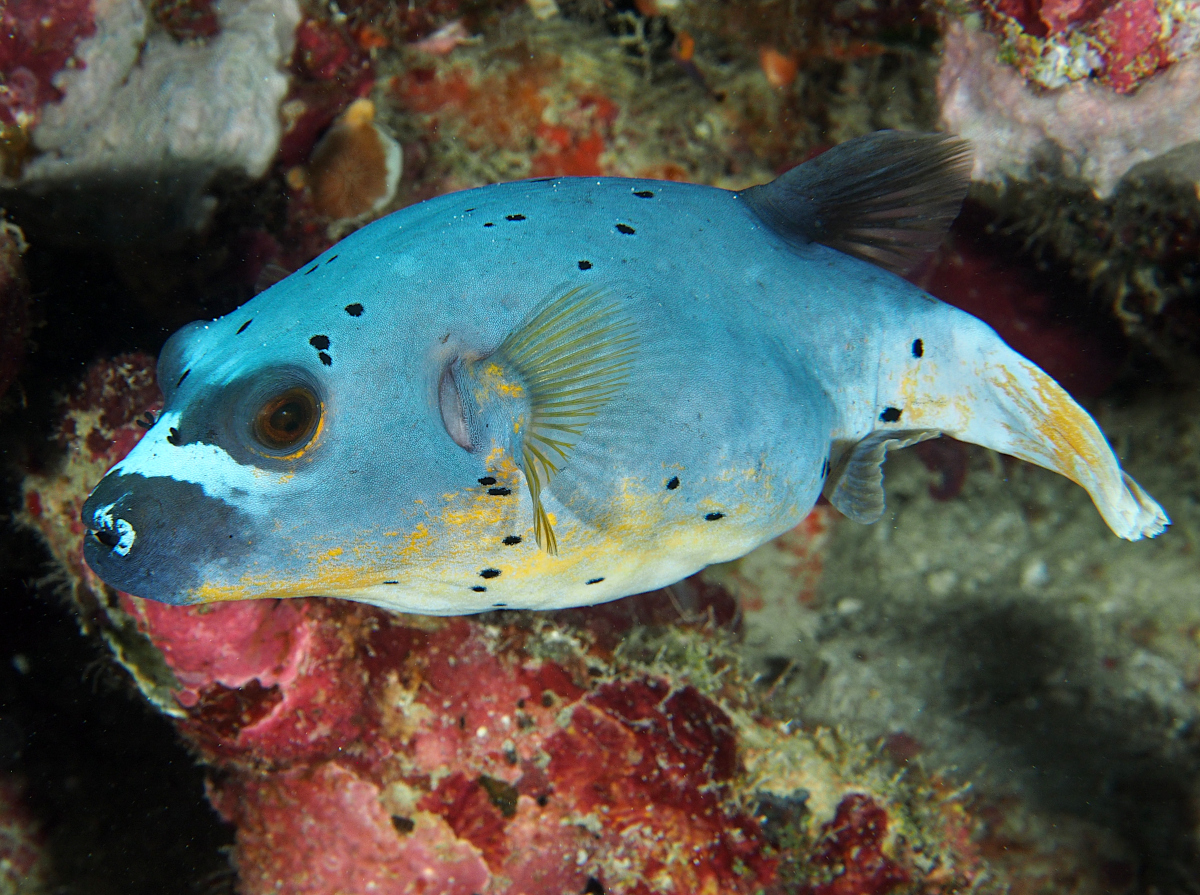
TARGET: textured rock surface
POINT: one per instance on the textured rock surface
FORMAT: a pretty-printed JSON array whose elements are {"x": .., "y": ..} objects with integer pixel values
[{"x": 1095, "y": 133}]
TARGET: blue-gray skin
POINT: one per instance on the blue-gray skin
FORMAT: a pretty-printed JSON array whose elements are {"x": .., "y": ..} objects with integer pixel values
[{"x": 558, "y": 392}]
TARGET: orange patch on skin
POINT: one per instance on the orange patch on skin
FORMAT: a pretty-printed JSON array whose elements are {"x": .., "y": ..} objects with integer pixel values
[{"x": 1069, "y": 437}]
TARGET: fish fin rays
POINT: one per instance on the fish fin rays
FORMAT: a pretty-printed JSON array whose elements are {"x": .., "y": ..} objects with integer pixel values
[
  {"x": 572, "y": 357},
  {"x": 1006, "y": 403},
  {"x": 855, "y": 487},
  {"x": 1039, "y": 422},
  {"x": 887, "y": 198}
]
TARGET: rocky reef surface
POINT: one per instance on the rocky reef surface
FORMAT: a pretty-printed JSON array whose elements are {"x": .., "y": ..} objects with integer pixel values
[{"x": 982, "y": 692}]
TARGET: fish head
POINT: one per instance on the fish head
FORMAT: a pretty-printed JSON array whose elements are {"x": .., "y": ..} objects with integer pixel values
[{"x": 298, "y": 453}]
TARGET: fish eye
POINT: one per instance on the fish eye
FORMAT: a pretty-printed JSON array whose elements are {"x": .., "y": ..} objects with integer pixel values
[{"x": 287, "y": 420}]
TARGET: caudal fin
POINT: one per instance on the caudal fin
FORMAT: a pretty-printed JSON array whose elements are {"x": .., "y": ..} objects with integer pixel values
[{"x": 987, "y": 394}]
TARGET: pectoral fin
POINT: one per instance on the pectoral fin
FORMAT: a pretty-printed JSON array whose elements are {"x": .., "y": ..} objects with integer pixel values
[{"x": 571, "y": 358}]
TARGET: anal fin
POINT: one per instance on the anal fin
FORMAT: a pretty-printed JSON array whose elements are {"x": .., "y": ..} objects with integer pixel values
[{"x": 856, "y": 485}]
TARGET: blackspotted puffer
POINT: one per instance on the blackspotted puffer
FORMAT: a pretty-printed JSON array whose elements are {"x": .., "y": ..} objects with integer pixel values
[{"x": 558, "y": 392}]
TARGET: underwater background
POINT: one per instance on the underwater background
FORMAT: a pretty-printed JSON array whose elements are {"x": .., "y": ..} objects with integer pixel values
[{"x": 985, "y": 691}]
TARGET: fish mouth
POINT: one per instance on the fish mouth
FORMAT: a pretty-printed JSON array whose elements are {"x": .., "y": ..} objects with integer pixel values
[
  {"x": 113, "y": 533},
  {"x": 155, "y": 537}
]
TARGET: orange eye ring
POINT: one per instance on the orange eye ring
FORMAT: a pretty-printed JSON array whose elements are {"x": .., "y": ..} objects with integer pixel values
[{"x": 287, "y": 421}]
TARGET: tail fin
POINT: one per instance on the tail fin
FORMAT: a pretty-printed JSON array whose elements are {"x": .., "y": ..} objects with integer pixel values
[{"x": 1012, "y": 406}]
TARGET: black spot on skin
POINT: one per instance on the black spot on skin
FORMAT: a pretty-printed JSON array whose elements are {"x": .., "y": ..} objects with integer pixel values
[
  {"x": 626, "y": 229},
  {"x": 321, "y": 343},
  {"x": 489, "y": 224},
  {"x": 354, "y": 310},
  {"x": 499, "y": 492},
  {"x": 332, "y": 258},
  {"x": 325, "y": 358},
  {"x": 918, "y": 348},
  {"x": 173, "y": 436},
  {"x": 593, "y": 887},
  {"x": 890, "y": 414},
  {"x": 311, "y": 269},
  {"x": 499, "y": 605},
  {"x": 543, "y": 801},
  {"x": 466, "y": 210},
  {"x": 585, "y": 265},
  {"x": 673, "y": 483},
  {"x": 183, "y": 377},
  {"x": 643, "y": 194},
  {"x": 242, "y": 328},
  {"x": 512, "y": 539},
  {"x": 487, "y": 480},
  {"x": 391, "y": 582},
  {"x": 514, "y": 217},
  {"x": 593, "y": 580},
  {"x": 479, "y": 588},
  {"x": 490, "y": 573},
  {"x": 713, "y": 517}
]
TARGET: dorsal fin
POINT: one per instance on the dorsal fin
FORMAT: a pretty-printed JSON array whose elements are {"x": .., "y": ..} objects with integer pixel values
[
  {"x": 572, "y": 357},
  {"x": 887, "y": 198}
]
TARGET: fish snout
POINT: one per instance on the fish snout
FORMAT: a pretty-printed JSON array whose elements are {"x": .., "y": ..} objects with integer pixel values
[{"x": 152, "y": 536}]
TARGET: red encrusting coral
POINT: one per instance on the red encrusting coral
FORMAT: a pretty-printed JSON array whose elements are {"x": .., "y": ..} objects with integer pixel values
[
  {"x": 37, "y": 40},
  {"x": 1126, "y": 41},
  {"x": 329, "y": 71},
  {"x": 849, "y": 853},
  {"x": 187, "y": 19}
]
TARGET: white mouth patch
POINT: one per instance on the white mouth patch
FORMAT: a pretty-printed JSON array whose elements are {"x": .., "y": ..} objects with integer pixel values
[
  {"x": 126, "y": 535},
  {"x": 207, "y": 465}
]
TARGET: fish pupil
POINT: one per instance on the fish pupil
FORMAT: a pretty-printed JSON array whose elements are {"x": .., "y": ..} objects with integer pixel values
[{"x": 287, "y": 419}]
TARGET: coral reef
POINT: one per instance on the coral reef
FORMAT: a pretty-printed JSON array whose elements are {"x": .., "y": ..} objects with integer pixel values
[
  {"x": 140, "y": 98},
  {"x": 1095, "y": 133},
  {"x": 148, "y": 105},
  {"x": 985, "y": 624},
  {"x": 1094, "y": 175},
  {"x": 517, "y": 753},
  {"x": 23, "y": 865},
  {"x": 1116, "y": 43},
  {"x": 37, "y": 41}
]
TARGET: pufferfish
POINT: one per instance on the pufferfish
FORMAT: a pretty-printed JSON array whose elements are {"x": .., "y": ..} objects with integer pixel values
[{"x": 558, "y": 392}]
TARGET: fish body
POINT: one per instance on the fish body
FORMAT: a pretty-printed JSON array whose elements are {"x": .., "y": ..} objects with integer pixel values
[{"x": 559, "y": 392}]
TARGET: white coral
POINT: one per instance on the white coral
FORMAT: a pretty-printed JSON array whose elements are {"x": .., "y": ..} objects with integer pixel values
[
  {"x": 142, "y": 100},
  {"x": 1100, "y": 134}
]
